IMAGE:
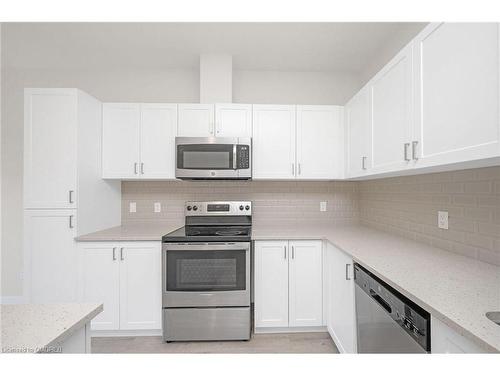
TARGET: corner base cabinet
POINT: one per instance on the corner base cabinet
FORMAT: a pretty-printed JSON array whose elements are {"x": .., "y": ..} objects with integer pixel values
[
  {"x": 126, "y": 278},
  {"x": 288, "y": 284},
  {"x": 446, "y": 340}
]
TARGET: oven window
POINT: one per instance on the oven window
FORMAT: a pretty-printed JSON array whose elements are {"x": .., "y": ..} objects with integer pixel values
[
  {"x": 216, "y": 270},
  {"x": 205, "y": 156}
]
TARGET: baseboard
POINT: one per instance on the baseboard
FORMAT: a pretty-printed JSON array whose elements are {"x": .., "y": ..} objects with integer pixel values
[
  {"x": 12, "y": 300},
  {"x": 290, "y": 329},
  {"x": 336, "y": 341},
  {"x": 124, "y": 333}
]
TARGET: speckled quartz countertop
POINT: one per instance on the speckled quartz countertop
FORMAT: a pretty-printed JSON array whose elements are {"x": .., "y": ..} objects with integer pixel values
[
  {"x": 141, "y": 231},
  {"x": 30, "y": 328},
  {"x": 453, "y": 288}
]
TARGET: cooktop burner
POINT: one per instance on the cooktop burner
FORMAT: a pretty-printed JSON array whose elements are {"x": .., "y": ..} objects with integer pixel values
[{"x": 209, "y": 234}]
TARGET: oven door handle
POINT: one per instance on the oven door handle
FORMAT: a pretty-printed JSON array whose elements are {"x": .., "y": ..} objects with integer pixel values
[{"x": 206, "y": 246}]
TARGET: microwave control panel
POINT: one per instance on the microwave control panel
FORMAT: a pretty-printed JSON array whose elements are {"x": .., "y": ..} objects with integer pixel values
[{"x": 243, "y": 156}]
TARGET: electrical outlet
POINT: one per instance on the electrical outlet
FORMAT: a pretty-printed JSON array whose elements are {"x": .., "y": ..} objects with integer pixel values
[
  {"x": 322, "y": 206},
  {"x": 443, "y": 219},
  {"x": 133, "y": 207},
  {"x": 157, "y": 207}
]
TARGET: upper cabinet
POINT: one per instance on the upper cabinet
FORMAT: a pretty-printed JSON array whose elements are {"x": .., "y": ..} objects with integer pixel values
[
  {"x": 357, "y": 118},
  {"x": 457, "y": 100},
  {"x": 196, "y": 120},
  {"x": 139, "y": 140},
  {"x": 273, "y": 142},
  {"x": 50, "y": 140},
  {"x": 435, "y": 104},
  {"x": 320, "y": 142},
  {"x": 221, "y": 120},
  {"x": 391, "y": 115},
  {"x": 233, "y": 120}
]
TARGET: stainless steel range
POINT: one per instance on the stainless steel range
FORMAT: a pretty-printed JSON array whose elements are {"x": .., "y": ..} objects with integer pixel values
[{"x": 206, "y": 273}]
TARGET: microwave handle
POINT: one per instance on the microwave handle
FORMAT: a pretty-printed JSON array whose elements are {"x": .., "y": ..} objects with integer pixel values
[{"x": 235, "y": 164}]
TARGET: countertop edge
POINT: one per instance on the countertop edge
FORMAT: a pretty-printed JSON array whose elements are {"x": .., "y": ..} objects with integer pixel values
[{"x": 75, "y": 327}]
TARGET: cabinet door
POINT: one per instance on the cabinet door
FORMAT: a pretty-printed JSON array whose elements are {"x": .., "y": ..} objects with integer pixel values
[
  {"x": 342, "y": 323},
  {"x": 391, "y": 121},
  {"x": 51, "y": 256},
  {"x": 357, "y": 113},
  {"x": 271, "y": 283},
  {"x": 158, "y": 131},
  {"x": 446, "y": 340},
  {"x": 305, "y": 284},
  {"x": 101, "y": 282},
  {"x": 120, "y": 140},
  {"x": 320, "y": 142},
  {"x": 140, "y": 285},
  {"x": 457, "y": 69},
  {"x": 196, "y": 120},
  {"x": 273, "y": 142},
  {"x": 50, "y": 163},
  {"x": 233, "y": 120}
]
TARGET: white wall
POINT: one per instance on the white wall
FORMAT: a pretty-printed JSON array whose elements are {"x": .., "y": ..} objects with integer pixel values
[{"x": 133, "y": 86}]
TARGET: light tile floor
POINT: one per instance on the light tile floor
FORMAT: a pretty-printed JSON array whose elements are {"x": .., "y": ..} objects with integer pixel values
[{"x": 261, "y": 343}]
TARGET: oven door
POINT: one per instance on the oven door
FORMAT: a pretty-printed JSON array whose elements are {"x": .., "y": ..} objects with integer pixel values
[
  {"x": 206, "y": 274},
  {"x": 212, "y": 158}
]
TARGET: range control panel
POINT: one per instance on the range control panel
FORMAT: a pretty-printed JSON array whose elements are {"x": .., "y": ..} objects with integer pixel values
[{"x": 240, "y": 208}]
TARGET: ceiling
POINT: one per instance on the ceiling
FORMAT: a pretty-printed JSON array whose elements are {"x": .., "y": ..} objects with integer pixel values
[{"x": 332, "y": 47}]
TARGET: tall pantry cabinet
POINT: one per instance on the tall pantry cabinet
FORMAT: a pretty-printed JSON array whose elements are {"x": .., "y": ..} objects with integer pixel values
[{"x": 64, "y": 195}]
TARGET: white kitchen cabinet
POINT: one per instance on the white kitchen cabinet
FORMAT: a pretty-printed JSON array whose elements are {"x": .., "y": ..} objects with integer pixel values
[
  {"x": 446, "y": 340},
  {"x": 341, "y": 317},
  {"x": 64, "y": 194},
  {"x": 120, "y": 140},
  {"x": 196, "y": 120},
  {"x": 288, "y": 284},
  {"x": 139, "y": 140},
  {"x": 101, "y": 282},
  {"x": 50, "y": 271},
  {"x": 140, "y": 286},
  {"x": 273, "y": 142},
  {"x": 157, "y": 141},
  {"x": 271, "y": 283},
  {"x": 358, "y": 117},
  {"x": 305, "y": 284},
  {"x": 391, "y": 116},
  {"x": 126, "y": 277},
  {"x": 233, "y": 120},
  {"x": 320, "y": 142},
  {"x": 457, "y": 95}
]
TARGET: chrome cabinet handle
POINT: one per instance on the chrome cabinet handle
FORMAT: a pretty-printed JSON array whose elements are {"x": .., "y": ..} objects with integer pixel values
[
  {"x": 114, "y": 253},
  {"x": 405, "y": 152},
  {"x": 71, "y": 196},
  {"x": 414, "y": 150},
  {"x": 284, "y": 248},
  {"x": 293, "y": 252},
  {"x": 71, "y": 221},
  {"x": 300, "y": 169},
  {"x": 347, "y": 271},
  {"x": 293, "y": 169},
  {"x": 363, "y": 162},
  {"x": 142, "y": 168},
  {"x": 135, "y": 168},
  {"x": 121, "y": 253}
]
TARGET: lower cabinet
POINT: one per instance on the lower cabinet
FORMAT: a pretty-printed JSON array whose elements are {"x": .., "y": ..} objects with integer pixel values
[
  {"x": 288, "y": 284},
  {"x": 126, "y": 278},
  {"x": 446, "y": 340},
  {"x": 341, "y": 314}
]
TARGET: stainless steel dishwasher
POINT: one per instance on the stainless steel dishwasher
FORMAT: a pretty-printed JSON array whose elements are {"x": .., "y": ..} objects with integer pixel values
[{"x": 387, "y": 321}]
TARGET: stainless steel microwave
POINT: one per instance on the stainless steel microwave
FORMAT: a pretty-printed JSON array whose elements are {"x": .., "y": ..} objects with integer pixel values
[{"x": 213, "y": 158}]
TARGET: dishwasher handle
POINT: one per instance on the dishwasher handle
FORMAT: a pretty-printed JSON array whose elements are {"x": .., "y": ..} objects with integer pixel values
[{"x": 381, "y": 301}]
